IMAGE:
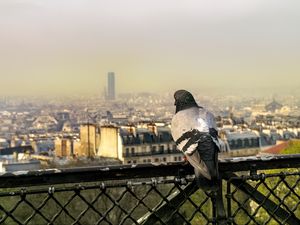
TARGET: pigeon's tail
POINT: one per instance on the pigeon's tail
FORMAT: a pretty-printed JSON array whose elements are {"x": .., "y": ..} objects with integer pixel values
[
  {"x": 204, "y": 183},
  {"x": 212, "y": 169},
  {"x": 200, "y": 167}
]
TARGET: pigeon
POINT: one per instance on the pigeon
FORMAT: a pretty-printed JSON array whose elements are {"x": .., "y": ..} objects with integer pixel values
[{"x": 194, "y": 130}]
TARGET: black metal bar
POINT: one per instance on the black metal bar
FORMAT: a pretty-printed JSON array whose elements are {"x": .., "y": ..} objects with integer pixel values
[
  {"x": 259, "y": 163},
  {"x": 228, "y": 198},
  {"x": 91, "y": 174},
  {"x": 221, "y": 214},
  {"x": 213, "y": 198},
  {"x": 100, "y": 173}
]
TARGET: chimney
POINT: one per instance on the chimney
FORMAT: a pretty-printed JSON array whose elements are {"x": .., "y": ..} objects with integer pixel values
[
  {"x": 153, "y": 128},
  {"x": 132, "y": 130}
]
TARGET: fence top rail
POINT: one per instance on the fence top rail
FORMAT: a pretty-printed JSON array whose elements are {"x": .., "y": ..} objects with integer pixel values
[{"x": 121, "y": 172}]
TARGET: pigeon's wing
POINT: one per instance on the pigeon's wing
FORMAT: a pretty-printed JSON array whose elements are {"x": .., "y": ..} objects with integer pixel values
[
  {"x": 179, "y": 125},
  {"x": 199, "y": 165},
  {"x": 192, "y": 118},
  {"x": 184, "y": 122},
  {"x": 185, "y": 128}
]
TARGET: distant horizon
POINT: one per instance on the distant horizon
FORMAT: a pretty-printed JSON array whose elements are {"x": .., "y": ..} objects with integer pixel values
[
  {"x": 213, "y": 92},
  {"x": 64, "y": 47}
]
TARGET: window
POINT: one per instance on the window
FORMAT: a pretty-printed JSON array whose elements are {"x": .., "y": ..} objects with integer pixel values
[
  {"x": 134, "y": 161},
  {"x": 246, "y": 142},
  {"x": 161, "y": 148},
  {"x": 152, "y": 138},
  {"x": 164, "y": 159},
  {"x": 149, "y": 160},
  {"x": 132, "y": 151},
  {"x": 255, "y": 142},
  {"x": 129, "y": 162},
  {"x": 232, "y": 144},
  {"x": 156, "y": 160},
  {"x": 144, "y": 160},
  {"x": 175, "y": 158},
  {"x": 239, "y": 143},
  {"x": 153, "y": 149},
  {"x": 179, "y": 158}
]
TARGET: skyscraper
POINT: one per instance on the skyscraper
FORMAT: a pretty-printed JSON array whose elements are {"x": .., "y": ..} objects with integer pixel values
[{"x": 111, "y": 86}]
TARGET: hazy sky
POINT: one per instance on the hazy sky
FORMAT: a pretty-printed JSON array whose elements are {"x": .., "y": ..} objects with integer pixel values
[{"x": 68, "y": 46}]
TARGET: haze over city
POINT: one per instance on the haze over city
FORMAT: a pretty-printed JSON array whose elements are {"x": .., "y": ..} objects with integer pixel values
[
  {"x": 96, "y": 129},
  {"x": 67, "y": 47}
]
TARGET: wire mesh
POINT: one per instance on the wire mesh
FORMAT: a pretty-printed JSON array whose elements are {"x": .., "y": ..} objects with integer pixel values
[
  {"x": 270, "y": 199},
  {"x": 278, "y": 204},
  {"x": 113, "y": 202}
]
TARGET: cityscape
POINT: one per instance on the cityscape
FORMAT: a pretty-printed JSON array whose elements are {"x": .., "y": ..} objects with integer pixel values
[
  {"x": 133, "y": 128},
  {"x": 93, "y": 94}
]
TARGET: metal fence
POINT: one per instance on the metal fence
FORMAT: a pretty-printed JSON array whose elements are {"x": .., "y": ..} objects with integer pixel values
[{"x": 255, "y": 191}]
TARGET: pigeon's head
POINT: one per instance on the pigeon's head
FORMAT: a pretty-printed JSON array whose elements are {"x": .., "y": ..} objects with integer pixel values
[{"x": 184, "y": 100}]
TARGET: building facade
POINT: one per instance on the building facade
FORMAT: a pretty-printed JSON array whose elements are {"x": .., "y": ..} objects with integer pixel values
[
  {"x": 133, "y": 145},
  {"x": 89, "y": 139},
  {"x": 241, "y": 143},
  {"x": 64, "y": 147}
]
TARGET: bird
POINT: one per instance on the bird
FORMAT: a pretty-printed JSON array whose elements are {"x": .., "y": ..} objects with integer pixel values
[{"x": 194, "y": 131}]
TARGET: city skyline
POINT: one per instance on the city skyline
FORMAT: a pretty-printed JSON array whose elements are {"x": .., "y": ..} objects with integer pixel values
[{"x": 67, "y": 47}]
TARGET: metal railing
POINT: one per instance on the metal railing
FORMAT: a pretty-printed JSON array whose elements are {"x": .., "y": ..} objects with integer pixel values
[
  {"x": 255, "y": 191},
  {"x": 152, "y": 153}
]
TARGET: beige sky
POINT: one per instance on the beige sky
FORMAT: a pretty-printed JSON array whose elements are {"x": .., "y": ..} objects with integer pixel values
[{"x": 68, "y": 46}]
